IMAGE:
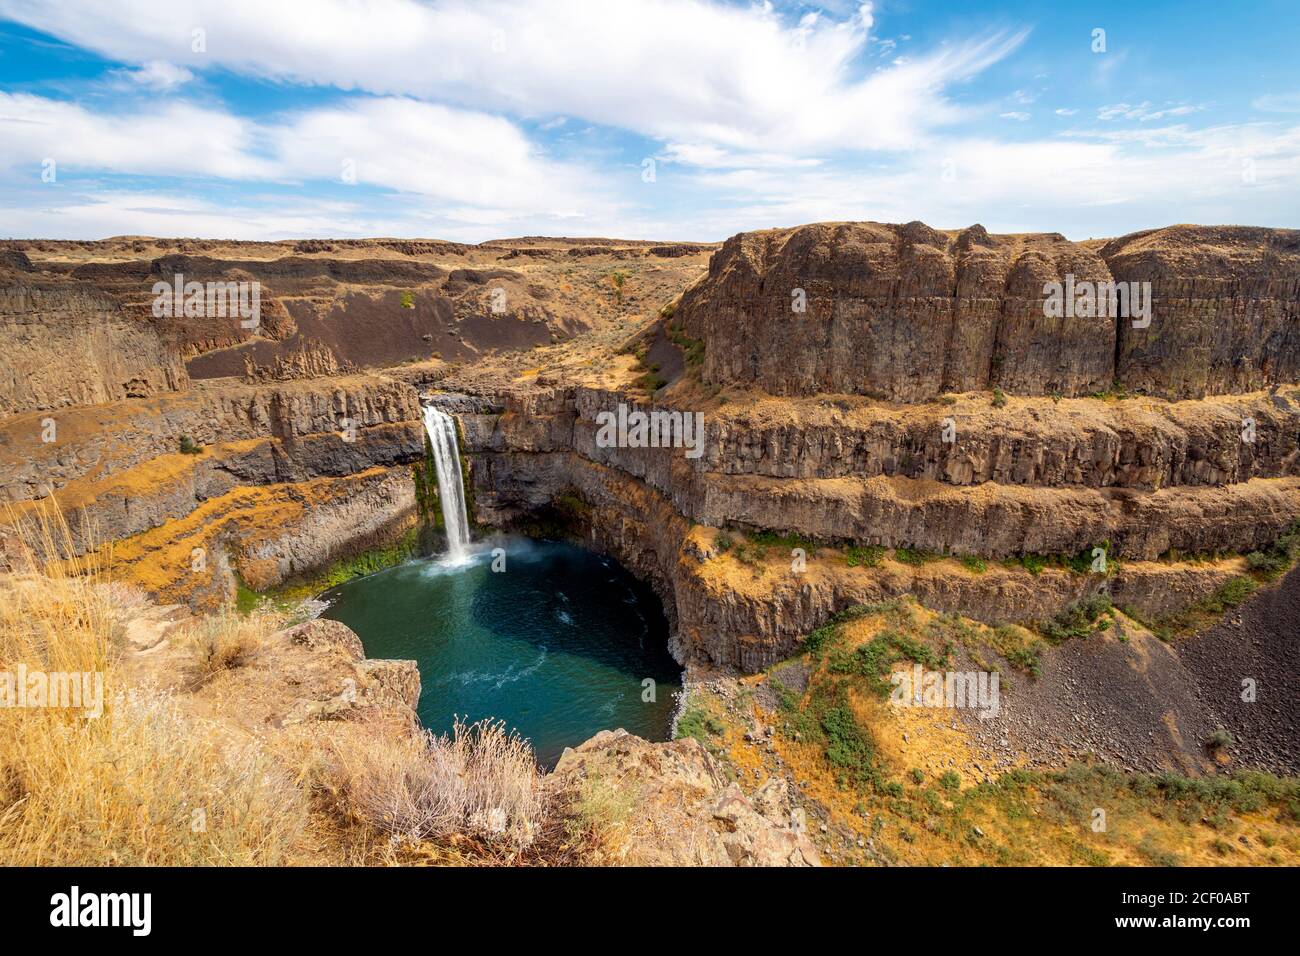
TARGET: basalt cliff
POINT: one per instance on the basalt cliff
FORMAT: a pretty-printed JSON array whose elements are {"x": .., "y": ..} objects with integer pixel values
[
  {"x": 869, "y": 419},
  {"x": 889, "y": 412}
]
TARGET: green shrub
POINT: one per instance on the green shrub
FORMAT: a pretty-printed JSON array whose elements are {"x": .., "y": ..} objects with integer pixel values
[
  {"x": 698, "y": 723},
  {"x": 817, "y": 642},
  {"x": 788, "y": 541},
  {"x": 1220, "y": 739},
  {"x": 864, "y": 556},
  {"x": 1279, "y": 556},
  {"x": 1229, "y": 594},
  {"x": 1078, "y": 619},
  {"x": 189, "y": 446},
  {"x": 692, "y": 349},
  {"x": 915, "y": 556},
  {"x": 848, "y": 747},
  {"x": 874, "y": 659}
]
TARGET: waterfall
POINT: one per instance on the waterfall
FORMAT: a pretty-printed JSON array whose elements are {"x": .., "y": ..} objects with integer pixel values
[{"x": 451, "y": 490}]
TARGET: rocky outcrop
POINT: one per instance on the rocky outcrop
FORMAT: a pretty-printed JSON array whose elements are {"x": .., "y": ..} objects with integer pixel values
[
  {"x": 386, "y": 686},
  {"x": 1226, "y": 305},
  {"x": 67, "y": 345},
  {"x": 95, "y": 442},
  {"x": 310, "y": 360},
  {"x": 682, "y": 811},
  {"x": 897, "y": 506},
  {"x": 906, "y": 313}
]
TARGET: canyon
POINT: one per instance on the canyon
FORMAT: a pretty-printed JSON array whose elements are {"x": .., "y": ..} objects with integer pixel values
[{"x": 922, "y": 406}]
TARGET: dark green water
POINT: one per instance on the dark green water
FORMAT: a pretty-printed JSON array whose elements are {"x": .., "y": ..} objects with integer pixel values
[{"x": 557, "y": 645}]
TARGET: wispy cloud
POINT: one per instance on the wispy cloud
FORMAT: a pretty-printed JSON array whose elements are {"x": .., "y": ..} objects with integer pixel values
[
  {"x": 1144, "y": 112},
  {"x": 684, "y": 70},
  {"x": 1278, "y": 103},
  {"x": 476, "y": 119},
  {"x": 459, "y": 157}
]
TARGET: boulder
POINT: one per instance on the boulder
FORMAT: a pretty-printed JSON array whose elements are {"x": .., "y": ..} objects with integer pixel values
[{"x": 683, "y": 811}]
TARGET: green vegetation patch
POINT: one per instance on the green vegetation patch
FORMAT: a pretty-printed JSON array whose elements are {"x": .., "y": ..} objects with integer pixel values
[
  {"x": 788, "y": 540},
  {"x": 345, "y": 569},
  {"x": 874, "y": 659},
  {"x": 915, "y": 556},
  {"x": 1228, "y": 595},
  {"x": 863, "y": 556},
  {"x": 696, "y": 722},
  {"x": 1279, "y": 556},
  {"x": 1078, "y": 619},
  {"x": 692, "y": 349}
]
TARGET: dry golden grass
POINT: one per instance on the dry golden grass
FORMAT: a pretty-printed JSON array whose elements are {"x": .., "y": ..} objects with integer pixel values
[
  {"x": 601, "y": 819},
  {"x": 176, "y": 778},
  {"x": 54, "y": 616},
  {"x": 142, "y": 784},
  {"x": 478, "y": 781},
  {"x": 225, "y": 641}
]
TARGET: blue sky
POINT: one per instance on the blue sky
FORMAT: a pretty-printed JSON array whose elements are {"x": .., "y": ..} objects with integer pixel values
[{"x": 664, "y": 119}]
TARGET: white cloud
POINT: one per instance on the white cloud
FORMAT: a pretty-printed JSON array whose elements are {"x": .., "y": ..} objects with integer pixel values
[
  {"x": 762, "y": 120},
  {"x": 710, "y": 156},
  {"x": 448, "y": 155},
  {"x": 159, "y": 76},
  {"x": 144, "y": 213},
  {"x": 458, "y": 156},
  {"x": 169, "y": 139},
  {"x": 1278, "y": 103},
  {"x": 684, "y": 70},
  {"x": 1091, "y": 185},
  {"x": 1143, "y": 111}
]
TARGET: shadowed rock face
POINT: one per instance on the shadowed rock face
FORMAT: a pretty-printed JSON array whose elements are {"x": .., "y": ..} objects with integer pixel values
[{"x": 908, "y": 312}]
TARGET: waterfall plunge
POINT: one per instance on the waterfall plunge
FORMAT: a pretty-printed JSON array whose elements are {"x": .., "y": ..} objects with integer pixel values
[{"x": 451, "y": 489}]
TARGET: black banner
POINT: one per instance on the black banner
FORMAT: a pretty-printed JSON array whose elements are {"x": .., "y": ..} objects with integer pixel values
[{"x": 963, "y": 906}]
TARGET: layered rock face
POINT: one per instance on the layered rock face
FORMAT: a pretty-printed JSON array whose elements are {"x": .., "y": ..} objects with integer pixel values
[
  {"x": 290, "y": 477},
  {"x": 907, "y": 312},
  {"x": 531, "y": 448},
  {"x": 1052, "y": 489},
  {"x": 68, "y": 344},
  {"x": 1227, "y": 307},
  {"x": 328, "y": 305}
]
